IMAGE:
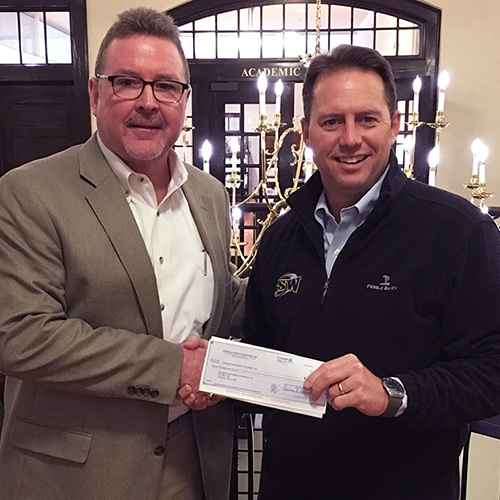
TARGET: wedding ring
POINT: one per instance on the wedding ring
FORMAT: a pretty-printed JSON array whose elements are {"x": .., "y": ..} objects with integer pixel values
[
  {"x": 210, "y": 396},
  {"x": 339, "y": 385}
]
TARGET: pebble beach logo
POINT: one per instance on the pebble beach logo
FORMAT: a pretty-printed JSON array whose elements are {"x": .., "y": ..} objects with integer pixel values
[
  {"x": 385, "y": 286},
  {"x": 289, "y": 282}
]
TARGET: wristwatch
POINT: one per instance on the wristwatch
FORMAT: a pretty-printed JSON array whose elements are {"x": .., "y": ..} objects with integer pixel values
[{"x": 396, "y": 393}]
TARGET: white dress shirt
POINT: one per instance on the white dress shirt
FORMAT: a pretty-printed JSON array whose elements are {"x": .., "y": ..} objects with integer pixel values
[{"x": 183, "y": 270}]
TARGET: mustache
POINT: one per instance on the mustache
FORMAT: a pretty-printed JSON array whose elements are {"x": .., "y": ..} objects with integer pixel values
[{"x": 140, "y": 121}]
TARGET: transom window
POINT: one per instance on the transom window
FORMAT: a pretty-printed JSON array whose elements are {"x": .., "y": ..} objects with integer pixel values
[
  {"x": 289, "y": 30},
  {"x": 34, "y": 38}
]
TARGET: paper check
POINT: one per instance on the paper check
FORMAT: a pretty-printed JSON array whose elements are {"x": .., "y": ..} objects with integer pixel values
[{"x": 261, "y": 376}]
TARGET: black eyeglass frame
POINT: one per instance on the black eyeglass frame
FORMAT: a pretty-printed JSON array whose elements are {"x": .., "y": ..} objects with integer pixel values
[{"x": 111, "y": 79}]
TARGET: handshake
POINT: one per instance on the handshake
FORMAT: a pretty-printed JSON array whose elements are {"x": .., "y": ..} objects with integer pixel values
[{"x": 194, "y": 350}]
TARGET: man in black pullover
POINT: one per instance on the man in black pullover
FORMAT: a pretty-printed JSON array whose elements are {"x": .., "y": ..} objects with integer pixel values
[{"x": 397, "y": 290}]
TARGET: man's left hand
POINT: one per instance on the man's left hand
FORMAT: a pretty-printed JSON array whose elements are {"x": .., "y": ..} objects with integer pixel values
[{"x": 349, "y": 384}]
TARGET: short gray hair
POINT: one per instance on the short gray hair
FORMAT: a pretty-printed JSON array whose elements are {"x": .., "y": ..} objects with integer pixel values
[{"x": 141, "y": 21}]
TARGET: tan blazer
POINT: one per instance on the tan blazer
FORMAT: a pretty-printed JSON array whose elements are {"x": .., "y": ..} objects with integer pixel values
[{"x": 80, "y": 332}]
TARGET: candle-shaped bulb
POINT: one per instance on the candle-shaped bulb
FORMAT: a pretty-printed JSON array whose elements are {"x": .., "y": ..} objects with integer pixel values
[
  {"x": 408, "y": 144},
  {"x": 206, "y": 151},
  {"x": 443, "y": 80},
  {"x": 481, "y": 151},
  {"x": 417, "y": 86},
  {"x": 482, "y": 154},
  {"x": 433, "y": 163},
  {"x": 236, "y": 212},
  {"x": 278, "y": 89},
  {"x": 475, "y": 147},
  {"x": 434, "y": 158},
  {"x": 262, "y": 86},
  {"x": 308, "y": 154}
]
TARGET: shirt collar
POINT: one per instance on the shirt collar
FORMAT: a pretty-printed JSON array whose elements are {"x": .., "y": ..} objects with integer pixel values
[
  {"x": 123, "y": 172},
  {"x": 363, "y": 207}
]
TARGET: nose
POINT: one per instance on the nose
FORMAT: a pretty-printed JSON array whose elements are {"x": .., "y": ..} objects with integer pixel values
[
  {"x": 147, "y": 99},
  {"x": 350, "y": 137}
]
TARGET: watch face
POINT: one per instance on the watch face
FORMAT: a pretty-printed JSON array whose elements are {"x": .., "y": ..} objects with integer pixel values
[{"x": 393, "y": 387}]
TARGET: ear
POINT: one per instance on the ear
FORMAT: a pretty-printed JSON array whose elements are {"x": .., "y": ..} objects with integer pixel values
[
  {"x": 305, "y": 131},
  {"x": 93, "y": 87},
  {"x": 395, "y": 124}
]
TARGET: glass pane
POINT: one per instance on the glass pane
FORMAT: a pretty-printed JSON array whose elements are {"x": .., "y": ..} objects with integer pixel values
[
  {"x": 232, "y": 117},
  {"x": 228, "y": 21},
  {"x": 272, "y": 45},
  {"x": 204, "y": 45},
  {"x": 205, "y": 24},
  {"x": 250, "y": 45},
  {"x": 58, "y": 37},
  {"x": 403, "y": 23},
  {"x": 272, "y": 17},
  {"x": 311, "y": 42},
  {"x": 363, "y": 39},
  {"x": 187, "y": 44},
  {"x": 341, "y": 17},
  {"x": 227, "y": 45},
  {"x": 32, "y": 38},
  {"x": 409, "y": 42},
  {"x": 250, "y": 19},
  {"x": 385, "y": 21},
  {"x": 363, "y": 18},
  {"x": 186, "y": 27},
  {"x": 295, "y": 44},
  {"x": 386, "y": 42},
  {"x": 253, "y": 182},
  {"x": 339, "y": 38},
  {"x": 232, "y": 142},
  {"x": 9, "y": 39},
  {"x": 311, "y": 19},
  {"x": 251, "y": 149},
  {"x": 251, "y": 115},
  {"x": 295, "y": 16},
  {"x": 298, "y": 109}
]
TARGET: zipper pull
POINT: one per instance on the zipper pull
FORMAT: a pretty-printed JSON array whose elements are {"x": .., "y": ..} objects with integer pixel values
[{"x": 325, "y": 290}]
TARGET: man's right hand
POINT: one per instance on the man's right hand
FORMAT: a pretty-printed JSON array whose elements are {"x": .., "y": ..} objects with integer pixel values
[{"x": 194, "y": 350}]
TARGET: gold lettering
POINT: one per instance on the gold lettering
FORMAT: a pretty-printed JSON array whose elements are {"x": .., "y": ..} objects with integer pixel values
[
  {"x": 245, "y": 72},
  {"x": 274, "y": 71},
  {"x": 283, "y": 72}
]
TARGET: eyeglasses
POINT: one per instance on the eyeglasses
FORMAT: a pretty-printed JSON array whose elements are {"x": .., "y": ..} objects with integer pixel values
[{"x": 131, "y": 87}]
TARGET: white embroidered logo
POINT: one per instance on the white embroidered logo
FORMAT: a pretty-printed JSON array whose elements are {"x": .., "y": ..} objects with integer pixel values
[
  {"x": 289, "y": 282},
  {"x": 385, "y": 286}
]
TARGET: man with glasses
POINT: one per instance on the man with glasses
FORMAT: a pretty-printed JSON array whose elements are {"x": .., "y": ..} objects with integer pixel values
[{"x": 114, "y": 264}]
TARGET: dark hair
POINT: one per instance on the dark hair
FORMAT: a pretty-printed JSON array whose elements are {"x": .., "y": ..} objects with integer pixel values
[
  {"x": 349, "y": 57},
  {"x": 141, "y": 21}
]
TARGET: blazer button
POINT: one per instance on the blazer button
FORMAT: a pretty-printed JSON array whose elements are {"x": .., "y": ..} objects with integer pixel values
[
  {"x": 155, "y": 394},
  {"x": 146, "y": 391},
  {"x": 138, "y": 391},
  {"x": 159, "y": 451},
  {"x": 131, "y": 390}
]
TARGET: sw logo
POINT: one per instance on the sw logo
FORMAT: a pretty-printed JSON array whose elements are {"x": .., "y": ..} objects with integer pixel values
[
  {"x": 384, "y": 286},
  {"x": 289, "y": 282}
]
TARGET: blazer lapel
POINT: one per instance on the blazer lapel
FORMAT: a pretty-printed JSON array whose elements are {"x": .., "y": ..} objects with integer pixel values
[{"x": 111, "y": 208}]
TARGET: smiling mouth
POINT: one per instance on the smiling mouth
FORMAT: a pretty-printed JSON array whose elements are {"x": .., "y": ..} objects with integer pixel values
[{"x": 351, "y": 160}]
